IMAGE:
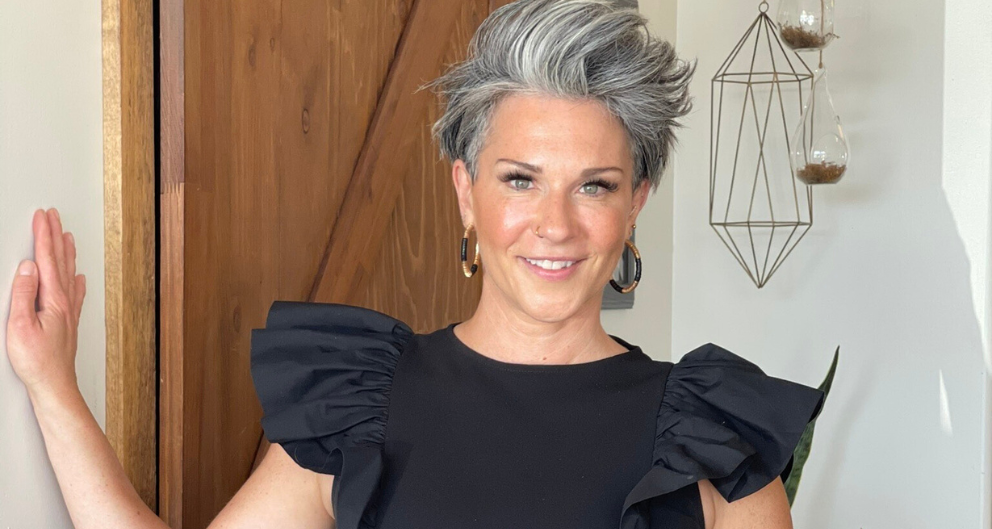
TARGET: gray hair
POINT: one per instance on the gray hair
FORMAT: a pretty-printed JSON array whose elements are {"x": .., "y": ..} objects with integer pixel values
[{"x": 571, "y": 49}]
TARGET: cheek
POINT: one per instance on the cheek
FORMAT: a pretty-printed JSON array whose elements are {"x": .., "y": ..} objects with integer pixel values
[
  {"x": 606, "y": 229},
  {"x": 503, "y": 222}
]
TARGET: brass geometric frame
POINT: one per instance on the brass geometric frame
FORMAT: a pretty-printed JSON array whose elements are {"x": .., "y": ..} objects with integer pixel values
[{"x": 782, "y": 74}]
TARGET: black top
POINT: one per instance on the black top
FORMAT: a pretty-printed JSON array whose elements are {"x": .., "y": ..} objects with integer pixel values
[{"x": 423, "y": 432}]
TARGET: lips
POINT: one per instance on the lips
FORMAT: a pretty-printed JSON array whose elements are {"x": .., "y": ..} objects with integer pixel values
[{"x": 552, "y": 268}]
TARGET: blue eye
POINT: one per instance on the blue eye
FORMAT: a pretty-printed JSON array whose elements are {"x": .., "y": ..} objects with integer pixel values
[
  {"x": 517, "y": 181},
  {"x": 592, "y": 187}
]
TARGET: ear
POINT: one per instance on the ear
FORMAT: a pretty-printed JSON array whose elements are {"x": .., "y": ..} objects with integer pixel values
[
  {"x": 640, "y": 198},
  {"x": 463, "y": 187}
]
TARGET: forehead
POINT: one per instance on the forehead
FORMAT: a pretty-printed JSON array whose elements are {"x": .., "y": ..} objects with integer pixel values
[{"x": 556, "y": 132}]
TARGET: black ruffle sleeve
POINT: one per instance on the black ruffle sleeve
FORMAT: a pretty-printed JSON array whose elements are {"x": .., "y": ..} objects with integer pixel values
[
  {"x": 723, "y": 419},
  {"x": 323, "y": 373}
]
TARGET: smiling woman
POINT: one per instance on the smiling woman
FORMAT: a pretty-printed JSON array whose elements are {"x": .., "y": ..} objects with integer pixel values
[{"x": 526, "y": 414}]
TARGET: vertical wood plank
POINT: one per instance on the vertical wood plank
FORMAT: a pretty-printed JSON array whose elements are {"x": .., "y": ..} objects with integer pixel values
[
  {"x": 231, "y": 235},
  {"x": 172, "y": 242},
  {"x": 129, "y": 235}
]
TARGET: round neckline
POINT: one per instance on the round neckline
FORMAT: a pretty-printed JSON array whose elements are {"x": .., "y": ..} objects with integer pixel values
[{"x": 632, "y": 352}]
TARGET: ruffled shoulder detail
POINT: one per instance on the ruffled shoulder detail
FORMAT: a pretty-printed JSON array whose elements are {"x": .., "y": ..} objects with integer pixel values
[
  {"x": 323, "y": 373},
  {"x": 723, "y": 419}
]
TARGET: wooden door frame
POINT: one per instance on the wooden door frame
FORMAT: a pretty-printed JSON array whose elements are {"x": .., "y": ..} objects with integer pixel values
[{"x": 130, "y": 239}]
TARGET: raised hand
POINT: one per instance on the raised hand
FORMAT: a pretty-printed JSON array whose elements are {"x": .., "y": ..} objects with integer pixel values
[
  {"x": 41, "y": 343},
  {"x": 46, "y": 301}
]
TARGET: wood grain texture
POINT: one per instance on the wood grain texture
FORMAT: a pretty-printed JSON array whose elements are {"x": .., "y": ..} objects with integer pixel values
[
  {"x": 417, "y": 275},
  {"x": 231, "y": 234},
  {"x": 172, "y": 243},
  {"x": 305, "y": 159},
  {"x": 129, "y": 239},
  {"x": 377, "y": 180},
  {"x": 273, "y": 127}
]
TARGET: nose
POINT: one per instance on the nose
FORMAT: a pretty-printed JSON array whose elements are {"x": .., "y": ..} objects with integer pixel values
[{"x": 556, "y": 217}]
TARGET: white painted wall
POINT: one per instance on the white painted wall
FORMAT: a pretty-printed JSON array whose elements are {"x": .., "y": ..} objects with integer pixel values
[
  {"x": 51, "y": 155},
  {"x": 895, "y": 269}
]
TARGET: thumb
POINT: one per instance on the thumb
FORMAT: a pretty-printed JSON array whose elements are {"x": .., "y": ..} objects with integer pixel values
[{"x": 24, "y": 292}]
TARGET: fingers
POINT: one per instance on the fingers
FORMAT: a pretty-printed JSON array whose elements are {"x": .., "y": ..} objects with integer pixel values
[
  {"x": 50, "y": 284},
  {"x": 80, "y": 294},
  {"x": 55, "y": 224},
  {"x": 44, "y": 254},
  {"x": 70, "y": 264},
  {"x": 24, "y": 293}
]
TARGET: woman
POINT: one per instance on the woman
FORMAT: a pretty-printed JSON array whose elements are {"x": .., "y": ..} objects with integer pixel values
[{"x": 528, "y": 414}]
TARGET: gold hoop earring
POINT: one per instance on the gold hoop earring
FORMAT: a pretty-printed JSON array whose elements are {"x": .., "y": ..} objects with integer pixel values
[
  {"x": 637, "y": 271},
  {"x": 469, "y": 270}
]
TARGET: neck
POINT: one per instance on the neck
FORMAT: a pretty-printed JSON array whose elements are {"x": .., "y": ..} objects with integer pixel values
[{"x": 500, "y": 330}]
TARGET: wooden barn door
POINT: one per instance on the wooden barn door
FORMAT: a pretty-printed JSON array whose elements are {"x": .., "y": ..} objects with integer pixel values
[{"x": 296, "y": 163}]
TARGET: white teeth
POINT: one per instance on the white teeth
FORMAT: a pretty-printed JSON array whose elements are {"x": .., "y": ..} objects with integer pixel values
[{"x": 551, "y": 265}]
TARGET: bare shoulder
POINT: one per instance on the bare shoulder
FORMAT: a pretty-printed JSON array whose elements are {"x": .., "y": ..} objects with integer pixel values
[
  {"x": 768, "y": 508},
  {"x": 279, "y": 494}
]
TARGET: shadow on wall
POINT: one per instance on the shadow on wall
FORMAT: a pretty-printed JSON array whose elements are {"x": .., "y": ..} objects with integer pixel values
[{"x": 886, "y": 273}]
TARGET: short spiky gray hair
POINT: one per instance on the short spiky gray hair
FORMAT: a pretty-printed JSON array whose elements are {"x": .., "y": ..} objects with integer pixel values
[{"x": 571, "y": 49}]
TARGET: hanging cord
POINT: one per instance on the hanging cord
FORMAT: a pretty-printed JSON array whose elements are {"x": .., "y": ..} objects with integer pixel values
[{"x": 823, "y": 16}]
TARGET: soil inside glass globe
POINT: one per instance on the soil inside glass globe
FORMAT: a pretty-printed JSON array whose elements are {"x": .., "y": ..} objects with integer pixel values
[
  {"x": 821, "y": 173},
  {"x": 801, "y": 39}
]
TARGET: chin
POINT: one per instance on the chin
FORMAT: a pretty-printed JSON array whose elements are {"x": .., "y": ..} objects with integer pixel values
[{"x": 551, "y": 309}]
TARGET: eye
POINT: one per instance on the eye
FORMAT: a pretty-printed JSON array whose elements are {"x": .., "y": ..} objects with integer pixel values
[
  {"x": 518, "y": 181},
  {"x": 593, "y": 187}
]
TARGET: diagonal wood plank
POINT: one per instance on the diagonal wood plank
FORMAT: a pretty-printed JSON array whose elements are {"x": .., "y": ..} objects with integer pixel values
[{"x": 392, "y": 139}]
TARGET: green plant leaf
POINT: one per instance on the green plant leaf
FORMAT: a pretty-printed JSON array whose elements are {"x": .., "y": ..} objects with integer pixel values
[{"x": 801, "y": 453}]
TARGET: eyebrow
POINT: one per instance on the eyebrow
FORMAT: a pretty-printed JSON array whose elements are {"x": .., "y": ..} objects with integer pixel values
[{"x": 586, "y": 173}]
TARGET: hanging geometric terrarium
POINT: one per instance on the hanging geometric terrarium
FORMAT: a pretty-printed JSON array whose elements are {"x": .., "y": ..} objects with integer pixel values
[{"x": 757, "y": 208}]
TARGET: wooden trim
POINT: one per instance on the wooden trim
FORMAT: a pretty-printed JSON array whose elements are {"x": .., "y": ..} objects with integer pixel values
[
  {"x": 173, "y": 207},
  {"x": 129, "y": 238},
  {"x": 376, "y": 181}
]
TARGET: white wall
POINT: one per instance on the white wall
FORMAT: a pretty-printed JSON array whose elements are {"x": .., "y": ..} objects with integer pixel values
[
  {"x": 51, "y": 155},
  {"x": 895, "y": 269}
]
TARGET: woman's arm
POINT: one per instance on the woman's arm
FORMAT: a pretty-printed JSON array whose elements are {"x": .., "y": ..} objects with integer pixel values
[
  {"x": 41, "y": 345},
  {"x": 97, "y": 493},
  {"x": 767, "y": 508},
  {"x": 279, "y": 494}
]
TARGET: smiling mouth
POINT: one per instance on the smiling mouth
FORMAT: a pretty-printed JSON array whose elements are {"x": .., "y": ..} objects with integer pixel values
[{"x": 550, "y": 265}]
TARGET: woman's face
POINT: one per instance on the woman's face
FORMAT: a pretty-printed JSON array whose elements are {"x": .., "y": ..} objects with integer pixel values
[{"x": 552, "y": 204}]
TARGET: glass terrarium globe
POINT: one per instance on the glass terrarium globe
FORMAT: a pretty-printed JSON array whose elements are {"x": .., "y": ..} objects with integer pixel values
[
  {"x": 819, "y": 152},
  {"x": 806, "y": 25}
]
